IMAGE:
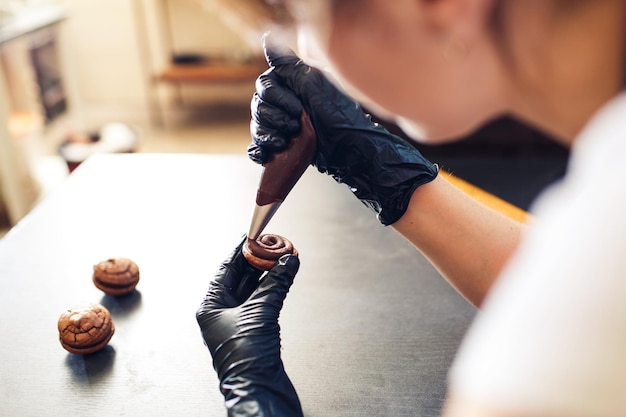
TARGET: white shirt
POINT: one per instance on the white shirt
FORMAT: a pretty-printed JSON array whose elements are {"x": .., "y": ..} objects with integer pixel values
[{"x": 551, "y": 339}]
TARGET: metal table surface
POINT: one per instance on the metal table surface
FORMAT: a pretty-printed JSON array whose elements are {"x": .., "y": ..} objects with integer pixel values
[{"x": 368, "y": 329}]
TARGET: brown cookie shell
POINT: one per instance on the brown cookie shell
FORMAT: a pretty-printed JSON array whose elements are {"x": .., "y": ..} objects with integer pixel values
[
  {"x": 85, "y": 329},
  {"x": 116, "y": 276},
  {"x": 264, "y": 252}
]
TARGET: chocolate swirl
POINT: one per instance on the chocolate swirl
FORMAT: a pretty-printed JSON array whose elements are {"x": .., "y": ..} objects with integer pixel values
[{"x": 266, "y": 250}]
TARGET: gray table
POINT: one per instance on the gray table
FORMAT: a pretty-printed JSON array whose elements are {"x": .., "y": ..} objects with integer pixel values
[{"x": 369, "y": 328}]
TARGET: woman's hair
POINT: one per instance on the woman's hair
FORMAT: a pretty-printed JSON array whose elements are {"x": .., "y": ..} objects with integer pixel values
[
  {"x": 260, "y": 15},
  {"x": 257, "y": 16},
  {"x": 263, "y": 14}
]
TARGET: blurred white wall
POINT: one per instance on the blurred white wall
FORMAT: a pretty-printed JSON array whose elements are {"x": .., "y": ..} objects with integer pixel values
[
  {"x": 103, "y": 49},
  {"x": 109, "y": 51},
  {"x": 100, "y": 51}
]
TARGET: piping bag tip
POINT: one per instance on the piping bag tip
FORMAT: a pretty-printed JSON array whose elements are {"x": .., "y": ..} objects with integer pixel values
[
  {"x": 261, "y": 217},
  {"x": 280, "y": 174}
]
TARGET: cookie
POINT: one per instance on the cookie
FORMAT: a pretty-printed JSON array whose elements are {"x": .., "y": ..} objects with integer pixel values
[
  {"x": 85, "y": 329},
  {"x": 116, "y": 276}
]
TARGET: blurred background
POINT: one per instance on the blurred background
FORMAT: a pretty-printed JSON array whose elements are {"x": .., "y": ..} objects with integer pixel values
[{"x": 81, "y": 77}]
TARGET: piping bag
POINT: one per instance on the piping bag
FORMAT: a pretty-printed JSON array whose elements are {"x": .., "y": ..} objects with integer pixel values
[{"x": 280, "y": 174}]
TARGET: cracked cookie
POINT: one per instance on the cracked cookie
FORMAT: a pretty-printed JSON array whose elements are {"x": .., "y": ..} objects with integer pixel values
[{"x": 85, "y": 329}]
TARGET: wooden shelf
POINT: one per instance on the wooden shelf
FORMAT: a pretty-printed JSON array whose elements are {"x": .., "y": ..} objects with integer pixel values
[{"x": 217, "y": 72}]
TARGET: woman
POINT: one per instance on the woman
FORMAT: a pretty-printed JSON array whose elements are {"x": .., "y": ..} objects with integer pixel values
[{"x": 550, "y": 340}]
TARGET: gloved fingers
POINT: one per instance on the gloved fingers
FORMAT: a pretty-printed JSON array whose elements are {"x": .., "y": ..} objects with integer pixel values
[
  {"x": 276, "y": 114},
  {"x": 275, "y": 284},
  {"x": 296, "y": 86},
  {"x": 257, "y": 154},
  {"x": 273, "y": 118},
  {"x": 269, "y": 139},
  {"x": 234, "y": 281},
  {"x": 271, "y": 89},
  {"x": 276, "y": 52}
]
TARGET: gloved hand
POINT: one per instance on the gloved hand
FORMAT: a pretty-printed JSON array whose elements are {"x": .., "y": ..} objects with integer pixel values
[
  {"x": 381, "y": 169},
  {"x": 239, "y": 323}
]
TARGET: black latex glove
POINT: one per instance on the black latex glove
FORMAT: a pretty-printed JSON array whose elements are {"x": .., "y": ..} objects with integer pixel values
[
  {"x": 381, "y": 169},
  {"x": 239, "y": 323}
]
